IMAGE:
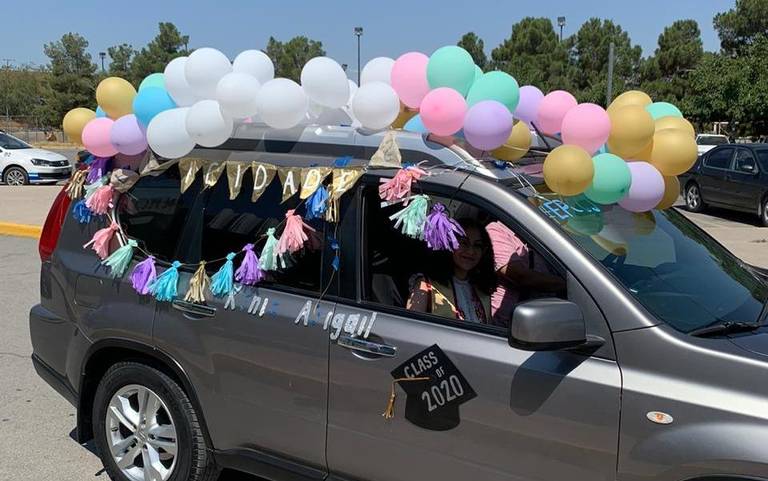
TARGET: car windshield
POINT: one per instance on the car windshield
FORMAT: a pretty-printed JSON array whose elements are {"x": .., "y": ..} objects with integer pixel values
[
  {"x": 673, "y": 268},
  {"x": 12, "y": 143},
  {"x": 712, "y": 140}
]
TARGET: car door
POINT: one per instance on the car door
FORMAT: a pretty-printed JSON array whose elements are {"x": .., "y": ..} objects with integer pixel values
[
  {"x": 714, "y": 169},
  {"x": 489, "y": 412},
  {"x": 261, "y": 378},
  {"x": 744, "y": 181}
]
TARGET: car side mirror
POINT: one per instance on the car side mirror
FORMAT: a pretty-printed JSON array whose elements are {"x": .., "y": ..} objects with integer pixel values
[
  {"x": 547, "y": 325},
  {"x": 749, "y": 168}
]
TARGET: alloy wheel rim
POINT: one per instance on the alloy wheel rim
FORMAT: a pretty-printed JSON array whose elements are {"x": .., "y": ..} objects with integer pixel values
[
  {"x": 14, "y": 177},
  {"x": 693, "y": 197},
  {"x": 141, "y": 434}
]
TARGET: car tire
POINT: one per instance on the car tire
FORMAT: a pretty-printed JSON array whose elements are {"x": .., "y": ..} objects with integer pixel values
[
  {"x": 15, "y": 175},
  {"x": 764, "y": 212},
  {"x": 693, "y": 200},
  {"x": 142, "y": 420}
]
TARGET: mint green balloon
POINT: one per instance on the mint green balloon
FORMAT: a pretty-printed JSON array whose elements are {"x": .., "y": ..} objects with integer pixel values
[
  {"x": 153, "y": 80},
  {"x": 611, "y": 181},
  {"x": 663, "y": 109},
  {"x": 498, "y": 86},
  {"x": 478, "y": 74},
  {"x": 453, "y": 67}
]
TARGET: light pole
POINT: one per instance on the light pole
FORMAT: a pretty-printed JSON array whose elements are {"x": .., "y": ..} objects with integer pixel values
[
  {"x": 102, "y": 55},
  {"x": 561, "y": 24},
  {"x": 358, "y": 33}
]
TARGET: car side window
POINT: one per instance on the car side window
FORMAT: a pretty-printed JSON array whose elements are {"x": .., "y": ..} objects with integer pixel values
[
  {"x": 745, "y": 161},
  {"x": 719, "y": 158},
  {"x": 490, "y": 272}
]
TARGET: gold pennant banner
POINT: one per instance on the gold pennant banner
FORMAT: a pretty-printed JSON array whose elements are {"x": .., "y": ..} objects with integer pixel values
[
  {"x": 188, "y": 168},
  {"x": 290, "y": 179},
  {"x": 212, "y": 173},
  {"x": 311, "y": 179},
  {"x": 343, "y": 180},
  {"x": 235, "y": 172},
  {"x": 262, "y": 177},
  {"x": 388, "y": 153}
]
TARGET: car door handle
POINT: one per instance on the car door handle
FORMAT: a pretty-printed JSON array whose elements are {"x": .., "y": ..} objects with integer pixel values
[
  {"x": 356, "y": 344},
  {"x": 199, "y": 310}
]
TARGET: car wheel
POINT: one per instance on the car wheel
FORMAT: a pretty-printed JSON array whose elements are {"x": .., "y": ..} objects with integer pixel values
[
  {"x": 145, "y": 428},
  {"x": 15, "y": 176},
  {"x": 693, "y": 200},
  {"x": 764, "y": 212}
]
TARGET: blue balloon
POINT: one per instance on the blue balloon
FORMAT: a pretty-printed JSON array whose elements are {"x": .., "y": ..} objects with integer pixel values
[
  {"x": 100, "y": 112},
  {"x": 149, "y": 102},
  {"x": 415, "y": 125}
]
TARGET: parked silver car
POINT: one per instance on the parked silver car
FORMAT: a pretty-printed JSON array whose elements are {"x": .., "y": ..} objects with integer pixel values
[{"x": 642, "y": 357}]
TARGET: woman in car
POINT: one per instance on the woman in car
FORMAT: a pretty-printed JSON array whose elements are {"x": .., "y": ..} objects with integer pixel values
[{"x": 461, "y": 283}]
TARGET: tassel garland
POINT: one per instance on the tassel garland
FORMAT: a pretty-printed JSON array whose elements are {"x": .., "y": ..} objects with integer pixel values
[
  {"x": 317, "y": 204},
  {"x": 101, "y": 201},
  {"x": 119, "y": 260},
  {"x": 81, "y": 212},
  {"x": 221, "y": 282},
  {"x": 399, "y": 186},
  {"x": 440, "y": 230},
  {"x": 412, "y": 218},
  {"x": 101, "y": 240},
  {"x": 97, "y": 169},
  {"x": 332, "y": 211},
  {"x": 91, "y": 189},
  {"x": 165, "y": 286},
  {"x": 143, "y": 275},
  {"x": 268, "y": 257},
  {"x": 249, "y": 272},
  {"x": 74, "y": 188},
  {"x": 294, "y": 235},
  {"x": 197, "y": 285}
]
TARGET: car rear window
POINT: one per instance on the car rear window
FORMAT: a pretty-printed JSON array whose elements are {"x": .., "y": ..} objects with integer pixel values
[
  {"x": 762, "y": 156},
  {"x": 719, "y": 159}
]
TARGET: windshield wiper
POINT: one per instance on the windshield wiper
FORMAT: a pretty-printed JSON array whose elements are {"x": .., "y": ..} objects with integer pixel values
[{"x": 722, "y": 328}]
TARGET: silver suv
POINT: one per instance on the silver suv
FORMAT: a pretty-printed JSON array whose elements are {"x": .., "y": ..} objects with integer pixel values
[{"x": 631, "y": 347}]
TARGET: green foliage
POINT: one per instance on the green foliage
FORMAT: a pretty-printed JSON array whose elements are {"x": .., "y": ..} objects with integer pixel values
[
  {"x": 475, "y": 46},
  {"x": 289, "y": 57},
  {"x": 72, "y": 80},
  {"x": 166, "y": 46},
  {"x": 120, "y": 63},
  {"x": 22, "y": 91},
  {"x": 739, "y": 27},
  {"x": 665, "y": 75}
]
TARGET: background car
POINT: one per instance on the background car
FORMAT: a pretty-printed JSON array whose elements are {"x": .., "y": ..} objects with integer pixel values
[
  {"x": 734, "y": 176},
  {"x": 20, "y": 163},
  {"x": 706, "y": 142}
]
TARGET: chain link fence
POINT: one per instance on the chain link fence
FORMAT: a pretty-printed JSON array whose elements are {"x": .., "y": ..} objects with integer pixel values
[{"x": 30, "y": 129}]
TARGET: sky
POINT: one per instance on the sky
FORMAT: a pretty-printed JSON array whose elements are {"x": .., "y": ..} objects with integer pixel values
[{"x": 390, "y": 27}]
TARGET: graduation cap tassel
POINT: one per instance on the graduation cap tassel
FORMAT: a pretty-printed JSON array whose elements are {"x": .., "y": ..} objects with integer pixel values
[{"x": 389, "y": 412}]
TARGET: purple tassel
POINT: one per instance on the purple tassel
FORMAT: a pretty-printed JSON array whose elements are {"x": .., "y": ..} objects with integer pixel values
[
  {"x": 97, "y": 169},
  {"x": 143, "y": 275},
  {"x": 249, "y": 272},
  {"x": 441, "y": 231}
]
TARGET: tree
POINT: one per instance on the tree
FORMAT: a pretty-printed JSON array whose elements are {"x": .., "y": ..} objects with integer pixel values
[
  {"x": 739, "y": 26},
  {"x": 589, "y": 49},
  {"x": 72, "y": 78},
  {"x": 533, "y": 55},
  {"x": 290, "y": 57},
  {"x": 166, "y": 46},
  {"x": 665, "y": 74},
  {"x": 21, "y": 91},
  {"x": 474, "y": 45},
  {"x": 120, "y": 60}
]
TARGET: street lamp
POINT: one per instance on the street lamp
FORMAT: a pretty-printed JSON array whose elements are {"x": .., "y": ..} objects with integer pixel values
[
  {"x": 358, "y": 33},
  {"x": 102, "y": 55},
  {"x": 561, "y": 24}
]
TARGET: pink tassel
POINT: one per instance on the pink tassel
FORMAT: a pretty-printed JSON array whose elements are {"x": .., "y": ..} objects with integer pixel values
[
  {"x": 101, "y": 200},
  {"x": 101, "y": 240},
  {"x": 399, "y": 186},
  {"x": 294, "y": 235}
]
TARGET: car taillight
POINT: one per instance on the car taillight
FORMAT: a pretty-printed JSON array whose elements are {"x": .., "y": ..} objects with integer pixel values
[{"x": 52, "y": 227}]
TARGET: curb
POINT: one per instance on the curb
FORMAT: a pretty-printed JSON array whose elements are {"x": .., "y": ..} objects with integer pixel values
[{"x": 20, "y": 230}]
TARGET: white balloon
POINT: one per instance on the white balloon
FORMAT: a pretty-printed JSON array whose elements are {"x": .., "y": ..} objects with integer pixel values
[
  {"x": 282, "y": 103},
  {"x": 176, "y": 83},
  {"x": 204, "y": 68},
  {"x": 236, "y": 93},
  {"x": 325, "y": 82},
  {"x": 207, "y": 125},
  {"x": 352, "y": 90},
  {"x": 376, "y": 105},
  {"x": 321, "y": 115},
  {"x": 256, "y": 63},
  {"x": 167, "y": 135},
  {"x": 377, "y": 70}
]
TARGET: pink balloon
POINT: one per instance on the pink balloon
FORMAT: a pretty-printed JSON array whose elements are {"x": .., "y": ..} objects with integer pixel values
[
  {"x": 96, "y": 137},
  {"x": 409, "y": 78},
  {"x": 552, "y": 109},
  {"x": 442, "y": 111},
  {"x": 586, "y": 125},
  {"x": 128, "y": 136}
]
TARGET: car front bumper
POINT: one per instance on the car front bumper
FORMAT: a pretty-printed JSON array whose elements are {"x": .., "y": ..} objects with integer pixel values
[{"x": 49, "y": 174}]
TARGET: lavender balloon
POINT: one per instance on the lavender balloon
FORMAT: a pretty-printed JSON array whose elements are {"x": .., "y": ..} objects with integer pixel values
[
  {"x": 646, "y": 190},
  {"x": 128, "y": 136},
  {"x": 528, "y": 107},
  {"x": 487, "y": 125}
]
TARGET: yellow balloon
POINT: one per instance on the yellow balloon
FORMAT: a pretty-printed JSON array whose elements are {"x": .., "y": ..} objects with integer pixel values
[
  {"x": 74, "y": 123},
  {"x": 675, "y": 123},
  {"x": 671, "y": 192},
  {"x": 568, "y": 170},
  {"x": 644, "y": 155},
  {"x": 632, "y": 130},
  {"x": 632, "y": 97},
  {"x": 403, "y": 117},
  {"x": 674, "y": 152},
  {"x": 517, "y": 144},
  {"x": 115, "y": 96},
  {"x": 615, "y": 248}
]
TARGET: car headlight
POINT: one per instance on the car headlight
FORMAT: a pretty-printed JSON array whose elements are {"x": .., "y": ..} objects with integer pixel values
[{"x": 49, "y": 163}]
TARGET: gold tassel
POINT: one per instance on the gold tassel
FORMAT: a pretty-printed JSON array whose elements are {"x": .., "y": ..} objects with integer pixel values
[
  {"x": 74, "y": 188},
  {"x": 332, "y": 210},
  {"x": 198, "y": 285},
  {"x": 389, "y": 413}
]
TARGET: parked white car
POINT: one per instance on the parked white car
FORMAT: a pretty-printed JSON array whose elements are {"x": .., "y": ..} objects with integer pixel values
[
  {"x": 20, "y": 163},
  {"x": 707, "y": 142}
]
